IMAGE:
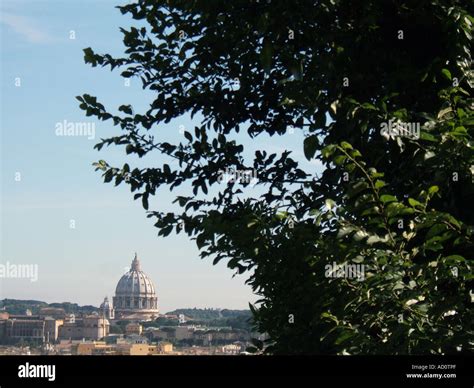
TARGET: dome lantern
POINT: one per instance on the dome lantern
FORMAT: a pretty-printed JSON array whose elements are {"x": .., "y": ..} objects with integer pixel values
[{"x": 135, "y": 264}]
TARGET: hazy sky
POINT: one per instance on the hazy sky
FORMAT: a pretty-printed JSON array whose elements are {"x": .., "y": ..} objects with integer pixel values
[{"x": 58, "y": 183}]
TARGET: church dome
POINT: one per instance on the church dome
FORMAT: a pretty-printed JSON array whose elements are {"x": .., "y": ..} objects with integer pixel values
[
  {"x": 135, "y": 282},
  {"x": 105, "y": 304},
  {"x": 135, "y": 293}
]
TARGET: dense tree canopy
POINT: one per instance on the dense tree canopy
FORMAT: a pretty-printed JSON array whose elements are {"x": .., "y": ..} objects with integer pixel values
[{"x": 382, "y": 93}]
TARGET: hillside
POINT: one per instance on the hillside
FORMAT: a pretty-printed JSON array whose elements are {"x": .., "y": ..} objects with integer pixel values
[
  {"x": 17, "y": 306},
  {"x": 237, "y": 319}
]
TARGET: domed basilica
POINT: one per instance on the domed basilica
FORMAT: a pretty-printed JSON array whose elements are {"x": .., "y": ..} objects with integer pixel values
[{"x": 135, "y": 296}]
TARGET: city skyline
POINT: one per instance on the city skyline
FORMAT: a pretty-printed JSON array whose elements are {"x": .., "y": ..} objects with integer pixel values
[{"x": 56, "y": 211}]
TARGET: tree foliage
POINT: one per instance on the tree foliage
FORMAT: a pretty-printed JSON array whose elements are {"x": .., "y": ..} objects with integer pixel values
[{"x": 400, "y": 206}]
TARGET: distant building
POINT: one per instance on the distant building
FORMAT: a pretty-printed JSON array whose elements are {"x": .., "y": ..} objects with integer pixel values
[
  {"x": 159, "y": 334},
  {"x": 235, "y": 348},
  {"x": 165, "y": 347},
  {"x": 129, "y": 349},
  {"x": 133, "y": 328},
  {"x": 133, "y": 339},
  {"x": 14, "y": 328},
  {"x": 89, "y": 327},
  {"x": 3, "y": 328},
  {"x": 144, "y": 349},
  {"x": 92, "y": 348},
  {"x": 183, "y": 332},
  {"x": 51, "y": 328},
  {"x": 28, "y": 328},
  {"x": 53, "y": 312},
  {"x": 107, "y": 309}
]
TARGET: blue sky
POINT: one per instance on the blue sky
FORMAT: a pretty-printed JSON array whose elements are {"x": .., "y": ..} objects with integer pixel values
[{"x": 58, "y": 183}]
